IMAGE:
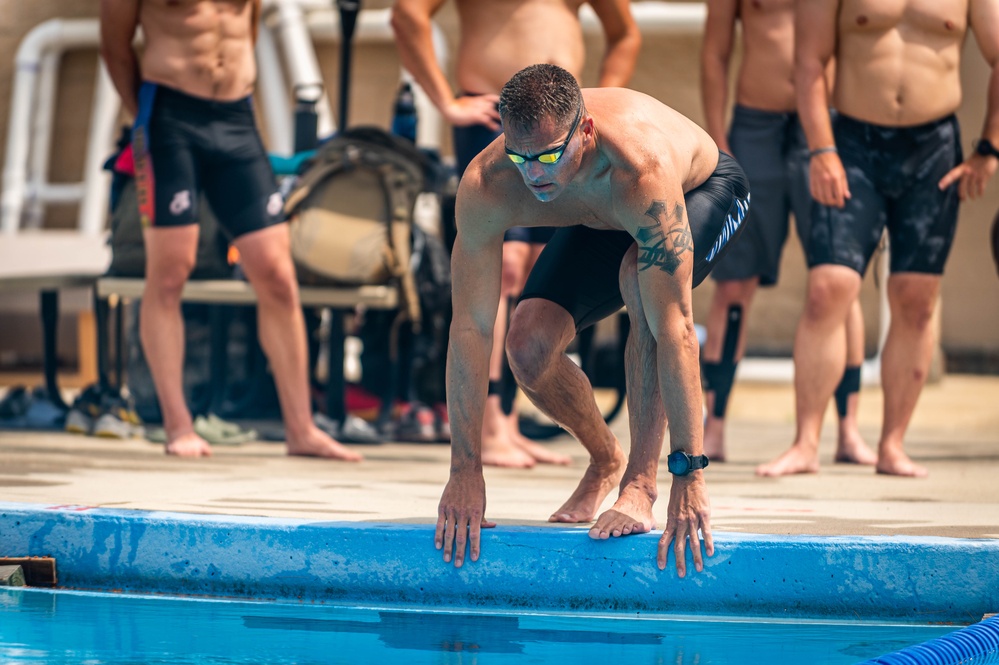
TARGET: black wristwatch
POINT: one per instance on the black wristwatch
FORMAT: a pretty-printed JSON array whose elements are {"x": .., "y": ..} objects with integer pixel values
[
  {"x": 985, "y": 148},
  {"x": 681, "y": 463}
]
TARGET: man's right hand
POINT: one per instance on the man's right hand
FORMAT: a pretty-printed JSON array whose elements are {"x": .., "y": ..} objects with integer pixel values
[
  {"x": 460, "y": 516},
  {"x": 473, "y": 110},
  {"x": 828, "y": 180}
]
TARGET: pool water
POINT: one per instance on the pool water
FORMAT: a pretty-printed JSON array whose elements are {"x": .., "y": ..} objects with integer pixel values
[{"x": 41, "y": 626}]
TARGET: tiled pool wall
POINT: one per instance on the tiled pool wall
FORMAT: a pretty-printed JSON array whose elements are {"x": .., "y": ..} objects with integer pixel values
[{"x": 889, "y": 578}]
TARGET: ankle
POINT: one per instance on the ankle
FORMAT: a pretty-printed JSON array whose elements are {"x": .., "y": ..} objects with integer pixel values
[{"x": 641, "y": 486}]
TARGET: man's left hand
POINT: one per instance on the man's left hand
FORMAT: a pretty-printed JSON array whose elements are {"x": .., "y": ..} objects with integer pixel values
[
  {"x": 972, "y": 176},
  {"x": 689, "y": 510}
]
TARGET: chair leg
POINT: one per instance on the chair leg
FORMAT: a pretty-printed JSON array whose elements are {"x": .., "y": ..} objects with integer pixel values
[
  {"x": 335, "y": 397},
  {"x": 101, "y": 314},
  {"x": 50, "y": 324}
]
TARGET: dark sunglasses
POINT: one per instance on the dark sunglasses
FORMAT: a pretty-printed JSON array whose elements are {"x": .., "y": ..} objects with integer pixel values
[{"x": 551, "y": 156}]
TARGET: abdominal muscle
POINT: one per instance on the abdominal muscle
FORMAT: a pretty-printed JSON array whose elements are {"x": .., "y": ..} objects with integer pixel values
[
  {"x": 203, "y": 48},
  {"x": 886, "y": 81}
]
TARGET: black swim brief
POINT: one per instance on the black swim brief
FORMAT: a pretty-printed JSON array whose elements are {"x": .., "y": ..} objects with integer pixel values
[
  {"x": 470, "y": 141},
  {"x": 893, "y": 174},
  {"x": 184, "y": 145},
  {"x": 772, "y": 149},
  {"x": 579, "y": 268}
]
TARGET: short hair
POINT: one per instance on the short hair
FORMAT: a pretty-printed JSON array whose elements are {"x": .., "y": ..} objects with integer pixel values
[{"x": 537, "y": 93}]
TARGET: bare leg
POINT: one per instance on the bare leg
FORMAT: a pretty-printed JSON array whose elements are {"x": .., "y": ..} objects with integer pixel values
[
  {"x": 561, "y": 390},
  {"x": 851, "y": 447},
  {"x": 819, "y": 361},
  {"x": 727, "y": 293},
  {"x": 537, "y": 452},
  {"x": 632, "y": 512},
  {"x": 905, "y": 364},
  {"x": 170, "y": 256},
  {"x": 267, "y": 262},
  {"x": 498, "y": 447}
]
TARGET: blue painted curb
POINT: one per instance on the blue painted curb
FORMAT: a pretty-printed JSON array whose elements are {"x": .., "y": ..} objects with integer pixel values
[{"x": 916, "y": 579}]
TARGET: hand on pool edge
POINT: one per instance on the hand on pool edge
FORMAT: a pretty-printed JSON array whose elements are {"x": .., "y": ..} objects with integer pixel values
[
  {"x": 689, "y": 510},
  {"x": 461, "y": 516}
]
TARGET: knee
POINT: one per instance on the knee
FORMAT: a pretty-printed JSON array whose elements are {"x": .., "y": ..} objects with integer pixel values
[
  {"x": 513, "y": 278},
  {"x": 913, "y": 305},
  {"x": 165, "y": 284},
  {"x": 275, "y": 281},
  {"x": 827, "y": 295},
  {"x": 734, "y": 291},
  {"x": 528, "y": 352}
]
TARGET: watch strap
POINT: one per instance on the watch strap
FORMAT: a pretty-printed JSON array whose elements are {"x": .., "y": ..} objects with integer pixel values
[
  {"x": 699, "y": 462},
  {"x": 985, "y": 148}
]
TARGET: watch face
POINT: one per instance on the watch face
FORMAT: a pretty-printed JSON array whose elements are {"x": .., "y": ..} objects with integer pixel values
[
  {"x": 678, "y": 464},
  {"x": 985, "y": 147}
]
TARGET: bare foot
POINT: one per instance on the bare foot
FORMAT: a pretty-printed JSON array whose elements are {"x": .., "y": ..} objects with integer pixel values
[
  {"x": 498, "y": 448},
  {"x": 594, "y": 487},
  {"x": 852, "y": 449},
  {"x": 631, "y": 513},
  {"x": 899, "y": 464},
  {"x": 714, "y": 439},
  {"x": 537, "y": 451},
  {"x": 796, "y": 459},
  {"x": 188, "y": 445},
  {"x": 318, "y": 443}
]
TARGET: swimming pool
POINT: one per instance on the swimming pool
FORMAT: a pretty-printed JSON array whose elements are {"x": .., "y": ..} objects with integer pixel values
[
  {"x": 76, "y": 627},
  {"x": 382, "y": 588}
]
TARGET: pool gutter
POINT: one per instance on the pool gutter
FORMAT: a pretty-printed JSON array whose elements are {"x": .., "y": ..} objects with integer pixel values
[{"x": 536, "y": 568}]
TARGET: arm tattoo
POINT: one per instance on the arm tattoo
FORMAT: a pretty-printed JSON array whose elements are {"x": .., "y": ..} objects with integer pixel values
[{"x": 664, "y": 243}]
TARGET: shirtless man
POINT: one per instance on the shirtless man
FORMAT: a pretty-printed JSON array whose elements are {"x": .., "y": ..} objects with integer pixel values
[
  {"x": 766, "y": 138},
  {"x": 498, "y": 39},
  {"x": 608, "y": 167},
  {"x": 891, "y": 158},
  {"x": 194, "y": 128}
]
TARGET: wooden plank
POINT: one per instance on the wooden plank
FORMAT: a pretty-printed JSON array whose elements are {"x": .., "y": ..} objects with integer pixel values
[
  {"x": 11, "y": 576},
  {"x": 38, "y": 570},
  {"x": 237, "y": 292}
]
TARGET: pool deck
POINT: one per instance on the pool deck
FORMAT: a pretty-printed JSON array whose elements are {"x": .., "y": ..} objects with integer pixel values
[
  {"x": 955, "y": 433},
  {"x": 251, "y": 522}
]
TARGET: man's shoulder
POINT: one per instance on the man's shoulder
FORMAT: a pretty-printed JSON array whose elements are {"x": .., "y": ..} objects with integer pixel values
[{"x": 489, "y": 184}]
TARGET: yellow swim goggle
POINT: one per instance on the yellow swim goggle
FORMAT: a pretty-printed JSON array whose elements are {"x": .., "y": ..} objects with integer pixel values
[{"x": 551, "y": 156}]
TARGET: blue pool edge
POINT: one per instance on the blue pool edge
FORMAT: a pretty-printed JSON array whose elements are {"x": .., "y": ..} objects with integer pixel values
[{"x": 921, "y": 579}]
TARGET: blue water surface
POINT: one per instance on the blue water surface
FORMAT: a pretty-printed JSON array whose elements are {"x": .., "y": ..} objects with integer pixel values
[{"x": 40, "y": 626}]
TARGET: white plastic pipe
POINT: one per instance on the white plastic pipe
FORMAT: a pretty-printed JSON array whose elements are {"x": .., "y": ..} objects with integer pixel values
[
  {"x": 287, "y": 19},
  {"x": 272, "y": 92},
  {"x": 29, "y": 92},
  {"x": 96, "y": 181},
  {"x": 43, "y": 120}
]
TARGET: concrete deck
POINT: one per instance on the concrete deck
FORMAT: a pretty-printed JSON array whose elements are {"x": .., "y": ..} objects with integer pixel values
[{"x": 955, "y": 432}]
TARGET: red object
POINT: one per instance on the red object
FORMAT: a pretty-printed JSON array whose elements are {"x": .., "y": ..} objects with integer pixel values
[{"x": 125, "y": 164}]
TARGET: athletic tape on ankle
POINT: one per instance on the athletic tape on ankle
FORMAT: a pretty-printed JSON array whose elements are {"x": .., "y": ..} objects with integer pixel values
[
  {"x": 719, "y": 376},
  {"x": 849, "y": 384}
]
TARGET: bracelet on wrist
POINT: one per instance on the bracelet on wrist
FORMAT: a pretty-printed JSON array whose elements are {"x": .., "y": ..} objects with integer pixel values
[{"x": 820, "y": 151}]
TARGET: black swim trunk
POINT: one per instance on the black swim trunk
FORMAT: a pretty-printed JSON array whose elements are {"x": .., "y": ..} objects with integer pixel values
[
  {"x": 772, "y": 149},
  {"x": 579, "y": 268},
  {"x": 893, "y": 174},
  {"x": 470, "y": 141},
  {"x": 184, "y": 145}
]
